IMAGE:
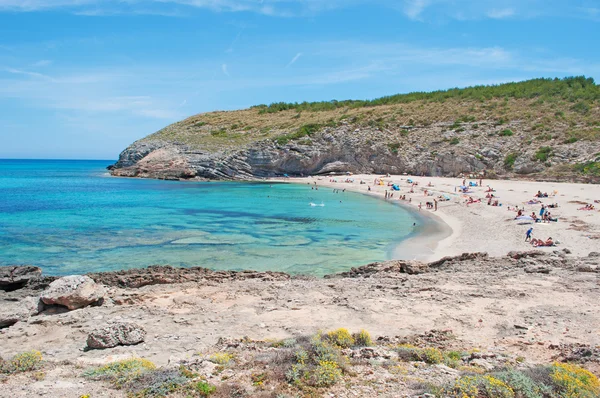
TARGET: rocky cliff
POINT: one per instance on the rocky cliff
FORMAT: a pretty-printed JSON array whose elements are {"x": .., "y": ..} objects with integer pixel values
[{"x": 542, "y": 137}]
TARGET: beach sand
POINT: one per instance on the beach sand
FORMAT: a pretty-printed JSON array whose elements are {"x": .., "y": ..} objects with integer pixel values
[{"x": 461, "y": 228}]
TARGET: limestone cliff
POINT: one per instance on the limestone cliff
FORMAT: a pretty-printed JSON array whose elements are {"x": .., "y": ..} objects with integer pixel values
[{"x": 549, "y": 138}]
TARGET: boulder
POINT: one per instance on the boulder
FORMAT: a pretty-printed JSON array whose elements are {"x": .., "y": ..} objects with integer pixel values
[
  {"x": 116, "y": 334},
  {"x": 15, "y": 277},
  {"x": 12, "y": 312},
  {"x": 76, "y": 291}
]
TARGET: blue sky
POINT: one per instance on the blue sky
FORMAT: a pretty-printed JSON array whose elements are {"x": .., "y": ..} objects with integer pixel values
[{"x": 85, "y": 78}]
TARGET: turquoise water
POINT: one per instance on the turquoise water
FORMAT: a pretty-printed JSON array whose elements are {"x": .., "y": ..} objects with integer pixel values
[{"x": 70, "y": 217}]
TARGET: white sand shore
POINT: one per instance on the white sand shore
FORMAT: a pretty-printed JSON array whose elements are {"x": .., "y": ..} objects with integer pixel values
[{"x": 478, "y": 227}]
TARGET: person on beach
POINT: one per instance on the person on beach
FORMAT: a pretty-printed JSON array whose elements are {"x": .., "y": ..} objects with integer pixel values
[
  {"x": 528, "y": 234},
  {"x": 435, "y": 204},
  {"x": 420, "y": 206}
]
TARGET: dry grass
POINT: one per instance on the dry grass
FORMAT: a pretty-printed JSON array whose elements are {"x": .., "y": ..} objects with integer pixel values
[{"x": 544, "y": 121}]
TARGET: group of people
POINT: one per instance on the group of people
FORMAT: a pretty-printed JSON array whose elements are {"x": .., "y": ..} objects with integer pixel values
[{"x": 537, "y": 242}]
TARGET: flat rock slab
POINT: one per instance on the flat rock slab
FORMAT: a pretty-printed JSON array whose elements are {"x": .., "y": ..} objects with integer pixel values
[
  {"x": 15, "y": 277},
  {"x": 116, "y": 334},
  {"x": 12, "y": 312},
  {"x": 73, "y": 292}
]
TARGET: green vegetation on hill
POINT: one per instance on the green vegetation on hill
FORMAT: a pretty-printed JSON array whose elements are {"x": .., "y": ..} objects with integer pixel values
[{"x": 571, "y": 89}]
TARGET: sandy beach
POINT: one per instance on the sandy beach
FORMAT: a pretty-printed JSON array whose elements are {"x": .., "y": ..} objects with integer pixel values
[{"x": 479, "y": 227}]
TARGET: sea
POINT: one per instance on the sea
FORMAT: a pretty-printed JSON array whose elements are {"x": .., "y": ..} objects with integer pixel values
[{"x": 72, "y": 217}]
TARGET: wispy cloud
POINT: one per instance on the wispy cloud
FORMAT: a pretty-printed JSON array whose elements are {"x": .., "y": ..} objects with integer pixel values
[
  {"x": 41, "y": 63},
  {"x": 224, "y": 69},
  {"x": 414, "y": 8},
  {"x": 501, "y": 13},
  {"x": 293, "y": 61}
]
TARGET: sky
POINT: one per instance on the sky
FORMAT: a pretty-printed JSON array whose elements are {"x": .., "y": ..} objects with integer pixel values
[{"x": 82, "y": 79}]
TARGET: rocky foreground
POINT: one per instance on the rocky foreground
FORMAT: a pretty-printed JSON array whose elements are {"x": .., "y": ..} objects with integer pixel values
[{"x": 432, "y": 328}]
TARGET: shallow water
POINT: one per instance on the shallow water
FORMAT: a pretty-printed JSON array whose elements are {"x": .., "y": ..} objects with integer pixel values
[{"x": 70, "y": 217}]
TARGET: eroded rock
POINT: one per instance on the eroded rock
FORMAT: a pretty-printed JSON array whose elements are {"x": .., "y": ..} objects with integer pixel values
[
  {"x": 73, "y": 292},
  {"x": 116, "y": 334}
]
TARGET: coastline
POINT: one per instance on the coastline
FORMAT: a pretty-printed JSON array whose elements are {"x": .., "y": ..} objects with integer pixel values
[{"x": 457, "y": 227}]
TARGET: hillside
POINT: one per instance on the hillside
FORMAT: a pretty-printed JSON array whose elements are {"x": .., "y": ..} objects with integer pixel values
[{"x": 541, "y": 128}]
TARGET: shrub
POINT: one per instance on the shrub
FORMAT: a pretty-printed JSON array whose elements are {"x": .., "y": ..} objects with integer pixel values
[
  {"x": 219, "y": 133},
  {"x": 155, "y": 383},
  {"x": 341, "y": 338},
  {"x": 454, "y": 141},
  {"x": 303, "y": 131},
  {"x": 581, "y": 107},
  {"x": 543, "y": 153},
  {"x": 495, "y": 388},
  {"x": 588, "y": 168},
  {"x": 362, "y": 339},
  {"x": 480, "y": 387},
  {"x": 319, "y": 361},
  {"x": 121, "y": 372},
  {"x": 452, "y": 359},
  {"x": 221, "y": 358},
  {"x": 394, "y": 147},
  {"x": 466, "y": 387},
  {"x": 202, "y": 388},
  {"x": 523, "y": 385},
  {"x": 327, "y": 374},
  {"x": 509, "y": 160},
  {"x": 23, "y": 362},
  {"x": 506, "y": 133},
  {"x": 574, "y": 381}
]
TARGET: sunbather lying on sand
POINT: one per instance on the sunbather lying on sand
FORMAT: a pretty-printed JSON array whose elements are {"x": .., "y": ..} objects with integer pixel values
[
  {"x": 539, "y": 243},
  {"x": 587, "y": 207}
]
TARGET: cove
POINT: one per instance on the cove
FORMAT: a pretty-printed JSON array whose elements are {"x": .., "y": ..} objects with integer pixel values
[{"x": 70, "y": 217}]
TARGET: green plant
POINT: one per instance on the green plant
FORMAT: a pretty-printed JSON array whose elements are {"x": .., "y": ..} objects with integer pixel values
[
  {"x": 522, "y": 385},
  {"x": 202, "y": 388},
  {"x": 454, "y": 141},
  {"x": 221, "y": 358},
  {"x": 588, "y": 168},
  {"x": 23, "y": 362},
  {"x": 543, "y": 153},
  {"x": 452, "y": 359},
  {"x": 509, "y": 160},
  {"x": 394, "y": 147},
  {"x": 581, "y": 107},
  {"x": 430, "y": 355},
  {"x": 574, "y": 382},
  {"x": 120, "y": 372},
  {"x": 258, "y": 379},
  {"x": 506, "y": 133},
  {"x": 362, "y": 339},
  {"x": 326, "y": 374},
  {"x": 481, "y": 387},
  {"x": 340, "y": 337},
  {"x": 219, "y": 133}
]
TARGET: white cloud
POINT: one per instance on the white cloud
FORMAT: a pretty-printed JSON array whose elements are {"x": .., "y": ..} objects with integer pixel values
[
  {"x": 224, "y": 69},
  {"x": 41, "y": 63},
  {"x": 293, "y": 61},
  {"x": 414, "y": 8},
  {"x": 501, "y": 13}
]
